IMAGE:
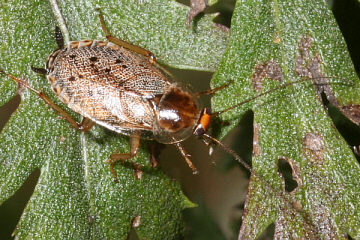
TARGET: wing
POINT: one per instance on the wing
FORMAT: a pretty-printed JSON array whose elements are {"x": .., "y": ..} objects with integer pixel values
[{"x": 110, "y": 85}]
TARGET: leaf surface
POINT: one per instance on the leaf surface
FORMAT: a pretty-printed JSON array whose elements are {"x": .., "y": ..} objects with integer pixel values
[{"x": 272, "y": 43}]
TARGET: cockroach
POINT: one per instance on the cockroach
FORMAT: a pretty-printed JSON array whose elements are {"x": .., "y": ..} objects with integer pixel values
[{"x": 121, "y": 87}]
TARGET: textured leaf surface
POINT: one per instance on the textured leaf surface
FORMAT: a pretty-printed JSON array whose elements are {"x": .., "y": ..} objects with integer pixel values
[
  {"x": 75, "y": 196},
  {"x": 273, "y": 42}
]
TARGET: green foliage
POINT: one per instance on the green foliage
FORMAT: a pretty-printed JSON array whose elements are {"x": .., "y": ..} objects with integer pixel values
[
  {"x": 273, "y": 42},
  {"x": 75, "y": 196}
]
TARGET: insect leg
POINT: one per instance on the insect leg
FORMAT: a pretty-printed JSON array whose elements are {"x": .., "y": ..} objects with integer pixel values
[
  {"x": 213, "y": 90},
  {"x": 134, "y": 147},
  {"x": 155, "y": 150},
  {"x": 84, "y": 126},
  {"x": 117, "y": 41},
  {"x": 186, "y": 156}
]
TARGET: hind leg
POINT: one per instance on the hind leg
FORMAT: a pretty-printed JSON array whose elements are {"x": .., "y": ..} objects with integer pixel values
[{"x": 84, "y": 126}]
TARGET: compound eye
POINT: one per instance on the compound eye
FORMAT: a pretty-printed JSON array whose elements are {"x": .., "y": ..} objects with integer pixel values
[{"x": 176, "y": 116}]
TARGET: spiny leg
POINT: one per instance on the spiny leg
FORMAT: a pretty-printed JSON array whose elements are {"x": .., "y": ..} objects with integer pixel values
[
  {"x": 84, "y": 126},
  {"x": 117, "y": 41},
  {"x": 186, "y": 156},
  {"x": 134, "y": 147}
]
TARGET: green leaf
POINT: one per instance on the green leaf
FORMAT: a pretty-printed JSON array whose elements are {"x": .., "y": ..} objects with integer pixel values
[
  {"x": 271, "y": 43},
  {"x": 75, "y": 196}
]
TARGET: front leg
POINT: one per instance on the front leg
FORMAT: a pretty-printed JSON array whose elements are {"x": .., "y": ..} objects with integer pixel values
[{"x": 186, "y": 156}]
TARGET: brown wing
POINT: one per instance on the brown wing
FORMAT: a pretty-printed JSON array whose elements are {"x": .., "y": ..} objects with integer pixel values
[{"x": 107, "y": 83}]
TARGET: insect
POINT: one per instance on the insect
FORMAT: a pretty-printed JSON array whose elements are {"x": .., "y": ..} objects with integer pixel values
[{"x": 121, "y": 87}]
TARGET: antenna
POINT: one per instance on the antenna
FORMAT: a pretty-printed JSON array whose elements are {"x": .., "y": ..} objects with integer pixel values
[
  {"x": 215, "y": 114},
  {"x": 280, "y": 194}
]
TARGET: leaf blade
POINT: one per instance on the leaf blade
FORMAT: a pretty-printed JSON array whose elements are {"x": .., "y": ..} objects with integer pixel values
[{"x": 264, "y": 46}]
